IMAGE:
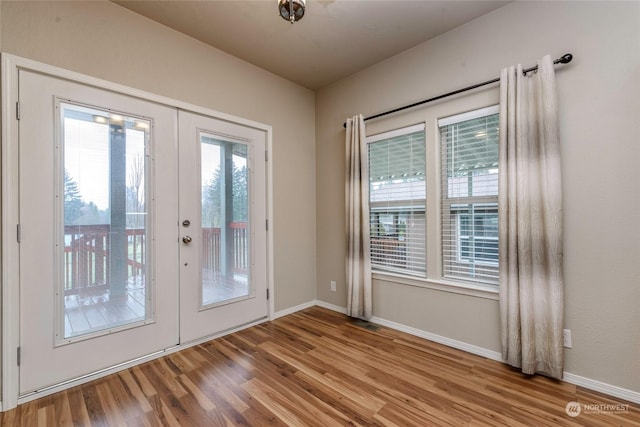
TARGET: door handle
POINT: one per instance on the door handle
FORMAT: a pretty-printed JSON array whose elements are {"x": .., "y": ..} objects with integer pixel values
[{"x": 187, "y": 239}]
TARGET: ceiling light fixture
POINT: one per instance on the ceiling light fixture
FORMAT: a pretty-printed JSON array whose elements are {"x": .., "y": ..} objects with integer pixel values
[{"x": 291, "y": 10}]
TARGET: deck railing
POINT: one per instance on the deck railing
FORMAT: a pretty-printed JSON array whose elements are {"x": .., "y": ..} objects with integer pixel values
[
  {"x": 239, "y": 249},
  {"x": 87, "y": 255}
]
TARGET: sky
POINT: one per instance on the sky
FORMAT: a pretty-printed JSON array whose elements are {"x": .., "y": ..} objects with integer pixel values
[{"x": 86, "y": 157}]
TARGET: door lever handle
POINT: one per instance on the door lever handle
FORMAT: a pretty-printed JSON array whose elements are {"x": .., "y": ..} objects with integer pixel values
[{"x": 187, "y": 239}]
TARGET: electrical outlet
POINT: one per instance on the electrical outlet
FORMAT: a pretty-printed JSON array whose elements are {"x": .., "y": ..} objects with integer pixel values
[
  {"x": 566, "y": 338},
  {"x": 333, "y": 285}
]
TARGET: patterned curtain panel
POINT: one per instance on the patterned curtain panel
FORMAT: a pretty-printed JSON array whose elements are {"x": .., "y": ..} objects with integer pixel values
[
  {"x": 530, "y": 221},
  {"x": 357, "y": 210}
]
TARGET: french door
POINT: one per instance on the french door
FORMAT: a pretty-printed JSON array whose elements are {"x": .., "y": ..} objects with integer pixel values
[
  {"x": 223, "y": 239},
  {"x": 138, "y": 228}
]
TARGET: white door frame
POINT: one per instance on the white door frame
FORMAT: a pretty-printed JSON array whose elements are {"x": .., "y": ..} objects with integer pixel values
[{"x": 9, "y": 213}]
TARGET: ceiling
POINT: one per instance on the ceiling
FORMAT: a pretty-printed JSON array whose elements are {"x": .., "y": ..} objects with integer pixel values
[{"x": 335, "y": 39}]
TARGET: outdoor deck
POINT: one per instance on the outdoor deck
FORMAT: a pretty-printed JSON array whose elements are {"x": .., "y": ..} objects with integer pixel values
[
  {"x": 88, "y": 300},
  {"x": 87, "y": 313},
  {"x": 96, "y": 312}
]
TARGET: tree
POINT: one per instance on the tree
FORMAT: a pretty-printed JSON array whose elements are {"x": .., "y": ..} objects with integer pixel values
[
  {"x": 212, "y": 201},
  {"x": 73, "y": 203},
  {"x": 240, "y": 194},
  {"x": 212, "y": 198},
  {"x": 92, "y": 215},
  {"x": 135, "y": 193}
]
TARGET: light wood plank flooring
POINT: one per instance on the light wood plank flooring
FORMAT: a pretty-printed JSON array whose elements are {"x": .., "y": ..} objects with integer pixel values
[{"x": 316, "y": 368}]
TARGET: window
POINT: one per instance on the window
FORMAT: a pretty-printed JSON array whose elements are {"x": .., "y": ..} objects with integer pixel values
[
  {"x": 397, "y": 196},
  {"x": 102, "y": 237},
  {"x": 469, "y": 195},
  {"x": 459, "y": 243}
]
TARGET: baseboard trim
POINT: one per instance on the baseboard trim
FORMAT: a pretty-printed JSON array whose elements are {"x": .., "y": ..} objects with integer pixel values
[
  {"x": 588, "y": 383},
  {"x": 599, "y": 386},
  {"x": 332, "y": 307},
  {"x": 469, "y": 348},
  {"x": 294, "y": 309}
]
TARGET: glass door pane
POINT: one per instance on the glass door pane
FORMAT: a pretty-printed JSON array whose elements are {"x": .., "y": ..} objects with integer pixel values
[
  {"x": 104, "y": 209},
  {"x": 225, "y": 221}
]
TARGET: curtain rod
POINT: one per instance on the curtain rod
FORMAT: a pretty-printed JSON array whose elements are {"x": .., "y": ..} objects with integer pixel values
[{"x": 564, "y": 59}]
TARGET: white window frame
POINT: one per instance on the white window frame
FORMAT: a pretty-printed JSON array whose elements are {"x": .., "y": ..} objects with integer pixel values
[
  {"x": 472, "y": 106},
  {"x": 480, "y": 201},
  {"x": 397, "y": 210}
]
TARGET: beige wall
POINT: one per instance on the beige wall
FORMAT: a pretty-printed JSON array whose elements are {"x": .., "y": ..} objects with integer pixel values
[
  {"x": 599, "y": 113},
  {"x": 599, "y": 107},
  {"x": 104, "y": 40}
]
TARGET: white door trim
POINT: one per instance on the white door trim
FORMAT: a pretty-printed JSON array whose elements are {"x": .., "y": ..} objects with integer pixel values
[{"x": 11, "y": 64}]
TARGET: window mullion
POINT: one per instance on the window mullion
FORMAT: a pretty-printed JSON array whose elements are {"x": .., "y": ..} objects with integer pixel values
[{"x": 433, "y": 237}]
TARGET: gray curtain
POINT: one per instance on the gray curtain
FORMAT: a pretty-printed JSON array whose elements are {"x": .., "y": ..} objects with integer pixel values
[
  {"x": 357, "y": 210},
  {"x": 530, "y": 221}
]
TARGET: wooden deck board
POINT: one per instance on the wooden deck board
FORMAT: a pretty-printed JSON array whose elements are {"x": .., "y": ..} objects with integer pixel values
[
  {"x": 85, "y": 315},
  {"x": 316, "y": 368}
]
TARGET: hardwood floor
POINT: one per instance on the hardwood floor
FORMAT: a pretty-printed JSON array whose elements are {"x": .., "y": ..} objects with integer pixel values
[{"x": 316, "y": 368}]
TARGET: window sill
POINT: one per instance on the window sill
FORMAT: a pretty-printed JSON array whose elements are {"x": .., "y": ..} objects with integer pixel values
[{"x": 469, "y": 289}]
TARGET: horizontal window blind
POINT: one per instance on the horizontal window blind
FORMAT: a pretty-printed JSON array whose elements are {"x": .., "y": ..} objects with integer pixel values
[
  {"x": 469, "y": 195},
  {"x": 397, "y": 195}
]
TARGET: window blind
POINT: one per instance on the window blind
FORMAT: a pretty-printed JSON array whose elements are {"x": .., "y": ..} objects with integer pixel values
[
  {"x": 397, "y": 195},
  {"x": 469, "y": 195}
]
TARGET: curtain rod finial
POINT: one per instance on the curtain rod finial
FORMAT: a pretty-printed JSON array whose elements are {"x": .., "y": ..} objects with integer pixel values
[{"x": 566, "y": 58}]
